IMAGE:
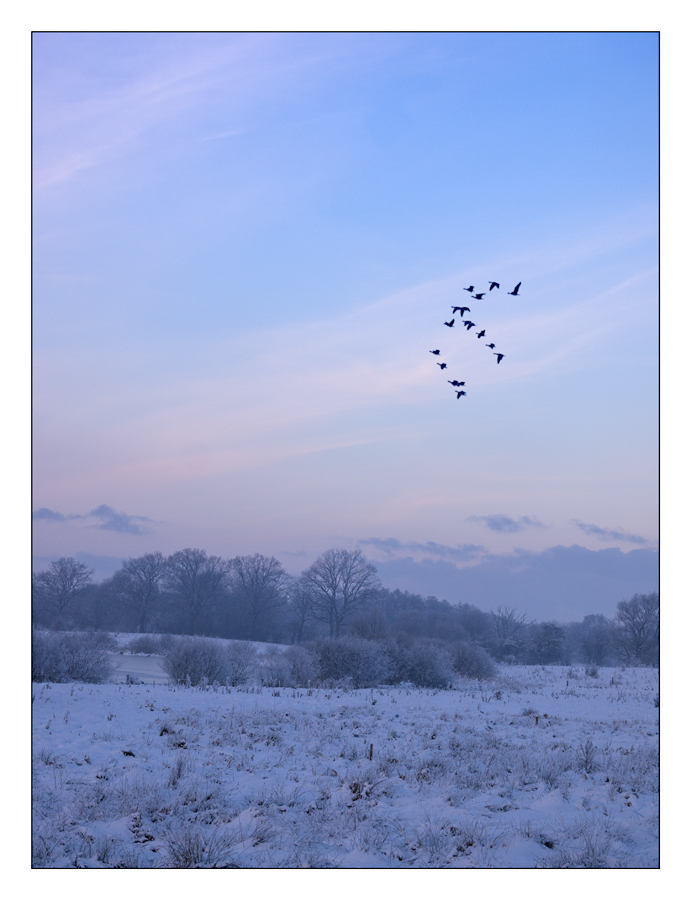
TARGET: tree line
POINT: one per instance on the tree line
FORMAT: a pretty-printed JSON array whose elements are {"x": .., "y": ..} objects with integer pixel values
[{"x": 338, "y": 595}]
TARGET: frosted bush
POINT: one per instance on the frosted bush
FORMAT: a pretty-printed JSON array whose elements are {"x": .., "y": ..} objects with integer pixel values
[
  {"x": 472, "y": 661},
  {"x": 360, "y": 663},
  {"x": 422, "y": 664},
  {"x": 145, "y": 643},
  {"x": 303, "y": 666},
  {"x": 196, "y": 659},
  {"x": 275, "y": 669},
  {"x": 241, "y": 662},
  {"x": 63, "y": 657}
]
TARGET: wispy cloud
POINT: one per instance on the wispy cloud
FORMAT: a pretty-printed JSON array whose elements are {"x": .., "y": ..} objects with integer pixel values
[
  {"x": 371, "y": 358},
  {"x": 393, "y": 548},
  {"x": 169, "y": 79},
  {"x": 79, "y": 134},
  {"x": 611, "y": 534},
  {"x": 507, "y": 525}
]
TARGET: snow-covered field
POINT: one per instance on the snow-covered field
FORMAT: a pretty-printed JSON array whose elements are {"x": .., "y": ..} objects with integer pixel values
[{"x": 538, "y": 767}]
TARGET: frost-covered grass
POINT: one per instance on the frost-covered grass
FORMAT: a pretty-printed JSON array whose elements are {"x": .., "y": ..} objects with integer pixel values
[{"x": 521, "y": 770}]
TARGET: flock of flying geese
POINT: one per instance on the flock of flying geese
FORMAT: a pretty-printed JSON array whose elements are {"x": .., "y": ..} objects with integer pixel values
[{"x": 467, "y": 324}]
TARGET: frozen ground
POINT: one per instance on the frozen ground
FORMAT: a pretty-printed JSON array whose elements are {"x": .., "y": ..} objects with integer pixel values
[
  {"x": 146, "y": 668},
  {"x": 538, "y": 767}
]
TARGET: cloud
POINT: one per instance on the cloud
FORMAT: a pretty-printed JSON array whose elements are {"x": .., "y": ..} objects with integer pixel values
[
  {"x": 167, "y": 82},
  {"x": 111, "y": 520},
  {"x": 48, "y": 514},
  {"x": 611, "y": 534},
  {"x": 562, "y": 583},
  {"x": 51, "y": 515},
  {"x": 392, "y": 548},
  {"x": 507, "y": 525}
]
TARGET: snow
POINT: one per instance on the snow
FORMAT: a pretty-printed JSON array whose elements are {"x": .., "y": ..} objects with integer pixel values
[
  {"x": 146, "y": 668},
  {"x": 536, "y": 767}
]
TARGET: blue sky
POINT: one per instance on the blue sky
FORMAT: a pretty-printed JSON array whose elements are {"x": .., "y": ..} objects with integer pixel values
[{"x": 245, "y": 246}]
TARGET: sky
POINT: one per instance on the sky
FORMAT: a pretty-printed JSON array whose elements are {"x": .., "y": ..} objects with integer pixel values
[{"x": 244, "y": 248}]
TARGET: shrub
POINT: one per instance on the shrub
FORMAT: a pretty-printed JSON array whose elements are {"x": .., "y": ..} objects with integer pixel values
[
  {"x": 294, "y": 667},
  {"x": 64, "y": 657},
  {"x": 196, "y": 658},
  {"x": 47, "y": 658},
  {"x": 422, "y": 664},
  {"x": 472, "y": 660},
  {"x": 241, "y": 661},
  {"x": 354, "y": 661},
  {"x": 275, "y": 668},
  {"x": 145, "y": 643},
  {"x": 303, "y": 666}
]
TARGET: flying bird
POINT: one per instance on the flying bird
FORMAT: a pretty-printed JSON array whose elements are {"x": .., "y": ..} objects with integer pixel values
[
  {"x": 450, "y": 324},
  {"x": 478, "y": 296},
  {"x": 491, "y": 346},
  {"x": 457, "y": 383},
  {"x": 460, "y": 394},
  {"x": 436, "y": 352},
  {"x": 471, "y": 288},
  {"x": 500, "y": 356},
  {"x": 514, "y": 292},
  {"x": 442, "y": 365},
  {"x": 460, "y": 309},
  {"x": 493, "y": 284},
  {"x": 481, "y": 333},
  {"x": 468, "y": 324}
]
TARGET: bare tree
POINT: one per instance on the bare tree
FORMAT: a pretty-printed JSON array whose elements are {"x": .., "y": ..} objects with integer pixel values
[
  {"x": 259, "y": 584},
  {"x": 197, "y": 583},
  {"x": 338, "y": 584},
  {"x": 596, "y": 638},
  {"x": 136, "y": 586},
  {"x": 507, "y": 625},
  {"x": 636, "y": 629},
  {"x": 370, "y": 624},
  {"x": 546, "y": 643},
  {"x": 56, "y": 588},
  {"x": 299, "y": 612}
]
